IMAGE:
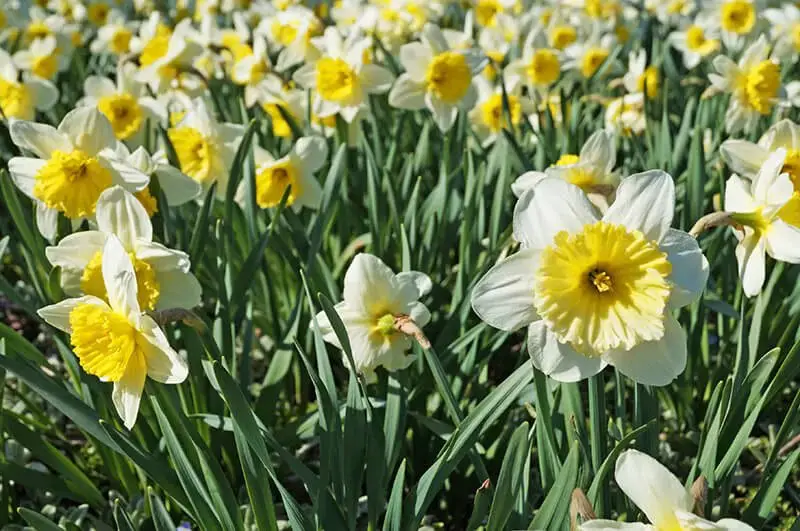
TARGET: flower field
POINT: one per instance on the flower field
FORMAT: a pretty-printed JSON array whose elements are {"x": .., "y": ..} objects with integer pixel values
[{"x": 399, "y": 265}]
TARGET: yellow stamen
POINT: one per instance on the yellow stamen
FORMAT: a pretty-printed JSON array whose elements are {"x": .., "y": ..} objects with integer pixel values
[
  {"x": 271, "y": 183},
  {"x": 124, "y": 113},
  {"x": 71, "y": 183}
]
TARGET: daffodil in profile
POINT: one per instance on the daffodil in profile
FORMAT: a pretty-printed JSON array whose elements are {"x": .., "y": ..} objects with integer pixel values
[
  {"x": 593, "y": 290},
  {"x": 21, "y": 98},
  {"x": 206, "y": 147},
  {"x": 253, "y": 69},
  {"x": 754, "y": 84},
  {"x": 114, "y": 339},
  {"x": 437, "y": 77},
  {"x": 73, "y": 166},
  {"x": 745, "y": 158},
  {"x": 661, "y": 496},
  {"x": 640, "y": 77},
  {"x": 766, "y": 220},
  {"x": 163, "y": 275},
  {"x": 381, "y": 313},
  {"x": 625, "y": 115},
  {"x": 341, "y": 79}
]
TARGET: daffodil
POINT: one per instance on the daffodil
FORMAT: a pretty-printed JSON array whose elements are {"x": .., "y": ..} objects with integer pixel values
[
  {"x": 496, "y": 43},
  {"x": 206, "y": 147},
  {"x": 167, "y": 56},
  {"x": 489, "y": 116},
  {"x": 736, "y": 19},
  {"x": 341, "y": 80},
  {"x": 295, "y": 170},
  {"x": 114, "y": 339},
  {"x": 746, "y": 158},
  {"x": 640, "y": 77},
  {"x": 625, "y": 115},
  {"x": 22, "y": 98},
  {"x": 487, "y": 11},
  {"x": 784, "y": 24},
  {"x": 696, "y": 41},
  {"x": 592, "y": 170},
  {"x": 280, "y": 102},
  {"x": 252, "y": 70},
  {"x": 661, "y": 497},
  {"x": 73, "y": 166},
  {"x": 754, "y": 84},
  {"x": 377, "y": 303},
  {"x": 163, "y": 275},
  {"x": 436, "y": 77},
  {"x": 767, "y": 220},
  {"x": 114, "y": 36},
  {"x": 540, "y": 65},
  {"x": 42, "y": 59},
  {"x": 125, "y": 103},
  {"x": 597, "y": 291},
  {"x": 290, "y": 30},
  {"x": 588, "y": 56}
]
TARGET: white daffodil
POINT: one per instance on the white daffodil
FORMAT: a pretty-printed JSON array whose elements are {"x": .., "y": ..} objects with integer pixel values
[
  {"x": 21, "y": 99},
  {"x": 489, "y": 116},
  {"x": 290, "y": 30},
  {"x": 592, "y": 170},
  {"x": 540, "y": 65},
  {"x": 205, "y": 147},
  {"x": 253, "y": 69},
  {"x": 279, "y": 101},
  {"x": 660, "y": 496},
  {"x": 167, "y": 56},
  {"x": 486, "y": 11},
  {"x": 163, "y": 275},
  {"x": 75, "y": 165},
  {"x": 736, "y": 19},
  {"x": 766, "y": 213},
  {"x": 696, "y": 41},
  {"x": 42, "y": 59},
  {"x": 588, "y": 56},
  {"x": 496, "y": 42},
  {"x": 115, "y": 340},
  {"x": 340, "y": 79},
  {"x": 437, "y": 78},
  {"x": 114, "y": 36},
  {"x": 296, "y": 169},
  {"x": 784, "y": 22},
  {"x": 671, "y": 11},
  {"x": 43, "y": 24},
  {"x": 377, "y": 307},
  {"x": 626, "y": 116},
  {"x": 746, "y": 158},
  {"x": 597, "y": 291},
  {"x": 754, "y": 84},
  {"x": 640, "y": 77},
  {"x": 125, "y": 103}
]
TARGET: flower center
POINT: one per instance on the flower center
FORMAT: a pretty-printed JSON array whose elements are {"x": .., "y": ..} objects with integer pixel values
[
  {"x": 336, "y": 81},
  {"x": 697, "y": 42},
  {"x": 592, "y": 59},
  {"x": 98, "y": 13},
  {"x": 121, "y": 40},
  {"x": 738, "y": 16},
  {"x": 155, "y": 49},
  {"x": 124, "y": 113},
  {"x": 37, "y": 30},
  {"x": 449, "y": 76},
  {"x": 567, "y": 159},
  {"x": 676, "y": 7},
  {"x": 649, "y": 81},
  {"x": 15, "y": 101},
  {"x": 147, "y": 200},
  {"x": 385, "y": 325},
  {"x": 544, "y": 67},
  {"x": 492, "y": 111},
  {"x": 486, "y": 11},
  {"x": 271, "y": 183},
  {"x": 44, "y": 66},
  {"x": 92, "y": 282},
  {"x": 194, "y": 153},
  {"x": 104, "y": 341},
  {"x": 285, "y": 34},
  {"x": 604, "y": 288},
  {"x": 71, "y": 183},
  {"x": 601, "y": 8},
  {"x": 563, "y": 36},
  {"x": 761, "y": 84},
  {"x": 579, "y": 176}
]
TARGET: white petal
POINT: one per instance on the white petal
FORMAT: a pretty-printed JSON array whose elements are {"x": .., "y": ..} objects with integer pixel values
[
  {"x": 551, "y": 206},
  {"x": 654, "y": 362},
  {"x": 313, "y": 151},
  {"x": 558, "y": 360},
  {"x": 125, "y": 174},
  {"x": 178, "y": 290},
  {"x": 763, "y": 183},
  {"x": 645, "y": 202},
  {"x": 45, "y": 92},
  {"x": 178, "y": 187},
  {"x": 97, "y": 87},
  {"x": 729, "y": 524},
  {"x": 783, "y": 241},
  {"x": 368, "y": 283},
  {"x": 120, "y": 279},
  {"x": 444, "y": 114},
  {"x": 376, "y": 79},
  {"x": 432, "y": 35},
  {"x": 407, "y": 94},
  {"x": 526, "y": 181},
  {"x": 419, "y": 313},
  {"x": 127, "y": 391},
  {"x": 653, "y": 488},
  {"x": 306, "y": 76},
  {"x": 752, "y": 263},
  {"x": 23, "y": 172},
  {"x": 737, "y": 195},
  {"x": 88, "y": 130},
  {"x": 695, "y": 523},
  {"x": 415, "y": 58},
  {"x": 743, "y": 157},
  {"x": 503, "y": 298},
  {"x": 164, "y": 365},
  {"x": 689, "y": 267},
  {"x": 76, "y": 250},
  {"x": 46, "y": 221},
  {"x": 421, "y": 282},
  {"x": 40, "y": 139},
  {"x": 57, "y": 315},
  {"x": 120, "y": 213},
  {"x": 161, "y": 258}
]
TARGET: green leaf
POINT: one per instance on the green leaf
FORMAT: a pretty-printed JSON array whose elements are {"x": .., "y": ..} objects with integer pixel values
[
  {"x": 37, "y": 521},
  {"x": 510, "y": 480},
  {"x": 554, "y": 512}
]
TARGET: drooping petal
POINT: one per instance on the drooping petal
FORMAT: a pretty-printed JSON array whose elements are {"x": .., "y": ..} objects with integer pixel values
[
  {"x": 526, "y": 181},
  {"x": 444, "y": 114},
  {"x": 120, "y": 213},
  {"x": 654, "y": 362},
  {"x": 178, "y": 290},
  {"x": 653, "y": 488},
  {"x": 76, "y": 250},
  {"x": 178, "y": 187},
  {"x": 40, "y": 139},
  {"x": 783, "y": 242},
  {"x": 120, "y": 280},
  {"x": 558, "y": 360},
  {"x": 376, "y": 79},
  {"x": 551, "y": 206},
  {"x": 127, "y": 393},
  {"x": 752, "y": 262},
  {"x": 164, "y": 365},
  {"x": 57, "y": 315},
  {"x": 420, "y": 281},
  {"x": 689, "y": 267},
  {"x": 312, "y": 151},
  {"x": 504, "y": 297},
  {"x": 743, "y": 157},
  {"x": 644, "y": 202},
  {"x": 47, "y": 221},
  {"x": 23, "y": 172},
  {"x": 162, "y": 258}
]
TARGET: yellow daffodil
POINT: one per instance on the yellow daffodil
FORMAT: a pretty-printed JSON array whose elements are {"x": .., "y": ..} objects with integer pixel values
[{"x": 22, "y": 98}]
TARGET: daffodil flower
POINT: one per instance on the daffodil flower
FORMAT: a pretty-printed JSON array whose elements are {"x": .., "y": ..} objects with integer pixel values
[
  {"x": 206, "y": 147},
  {"x": 696, "y": 41},
  {"x": 767, "y": 220},
  {"x": 125, "y": 103},
  {"x": 489, "y": 117},
  {"x": 588, "y": 56},
  {"x": 376, "y": 304},
  {"x": 253, "y": 69},
  {"x": 75, "y": 165},
  {"x": 784, "y": 24},
  {"x": 736, "y": 19},
  {"x": 290, "y": 30},
  {"x": 625, "y": 115},
  {"x": 437, "y": 78},
  {"x": 597, "y": 291},
  {"x": 640, "y": 77},
  {"x": 277, "y": 100},
  {"x": 163, "y": 275},
  {"x": 21, "y": 99},
  {"x": 113, "y": 339},
  {"x": 660, "y": 496},
  {"x": 540, "y": 65},
  {"x": 114, "y": 36},
  {"x": 42, "y": 59},
  {"x": 341, "y": 80},
  {"x": 745, "y": 158},
  {"x": 165, "y": 58},
  {"x": 754, "y": 84},
  {"x": 296, "y": 169}
]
